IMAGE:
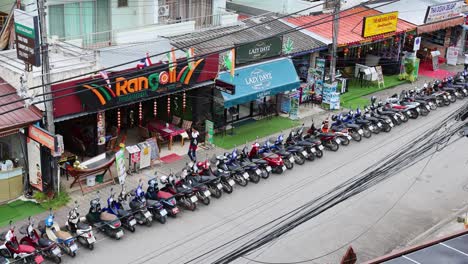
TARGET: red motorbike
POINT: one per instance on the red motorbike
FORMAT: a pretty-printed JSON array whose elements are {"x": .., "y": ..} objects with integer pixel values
[
  {"x": 48, "y": 248},
  {"x": 329, "y": 140},
  {"x": 274, "y": 160},
  {"x": 15, "y": 250}
]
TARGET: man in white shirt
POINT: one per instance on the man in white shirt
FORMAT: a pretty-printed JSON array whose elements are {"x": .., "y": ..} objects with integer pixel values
[{"x": 192, "y": 153}]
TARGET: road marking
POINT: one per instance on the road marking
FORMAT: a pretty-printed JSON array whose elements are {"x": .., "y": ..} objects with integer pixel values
[
  {"x": 454, "y": 249},
  {"x": 412, "y": 260}
]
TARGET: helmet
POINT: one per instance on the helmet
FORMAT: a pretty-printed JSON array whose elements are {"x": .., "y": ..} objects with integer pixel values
[
  {"x": 164, "y": 179},
  {"x": 49, "y": 221},
  {"x": 333, "y": 117}
]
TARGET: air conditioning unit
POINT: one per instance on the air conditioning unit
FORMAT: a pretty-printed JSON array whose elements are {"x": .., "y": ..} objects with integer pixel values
[{"x": 163, "y": 11}]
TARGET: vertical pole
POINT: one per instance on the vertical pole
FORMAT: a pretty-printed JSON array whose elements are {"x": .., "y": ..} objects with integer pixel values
[
  {"x": 46, "y": 67},
  {"x": 336, "y": 16}
]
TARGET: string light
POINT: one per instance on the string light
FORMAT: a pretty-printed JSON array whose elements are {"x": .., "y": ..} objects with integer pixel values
[
  {"x": 168, "y": 106},
  {"x": 118, "y": 119},
  {"x": 155, "y": 108},
  {"x": 184, "y": 101},
  {"x": 140, "y": 113}
]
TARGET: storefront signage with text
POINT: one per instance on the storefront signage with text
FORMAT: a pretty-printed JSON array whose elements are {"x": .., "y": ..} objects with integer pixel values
[
  {"x": 443, "y": 11},
  {"x": 27, "y": 37},
  {"x": 258, "y": 50},
  {"x": 42, "y": 136},
  {"x": 379, "y": 24}
]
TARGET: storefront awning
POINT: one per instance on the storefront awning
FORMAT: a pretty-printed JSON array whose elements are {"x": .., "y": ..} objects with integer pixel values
[
  {"x": 457, "y": 21},
  {"x": 257, "y": 81}
]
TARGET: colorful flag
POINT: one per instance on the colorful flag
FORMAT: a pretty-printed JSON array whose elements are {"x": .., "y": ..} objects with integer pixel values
[
  {"x": 190, "y": 54},
  {"x": 230, "y": 61},
  {"x": 105, "y": 76},
  {"x": 172, "y": 65},
  {"x": 145, "y": 62}
]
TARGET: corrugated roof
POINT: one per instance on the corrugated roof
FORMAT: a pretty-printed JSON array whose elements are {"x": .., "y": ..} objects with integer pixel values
[
  {"x": 302, "y": 42},
  {"x": 350, "y": 27},
  {"x": 18, "y": 118}
]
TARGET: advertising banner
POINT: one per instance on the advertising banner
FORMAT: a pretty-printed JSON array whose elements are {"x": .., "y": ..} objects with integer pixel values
[
  {"x": 27, "y": 37},
  {"x": 328, "y": 90},
  {"x": 121, "y": 169},
  {"x": 209, "y": 129},
  {"x": 294, "y": 108},
  {"x": 34, "y": 164},
  {"x": 145, "y": 155},
  {"x": 259, "y": 50},
  {"x": 101, "y": 128},
  {"x": 443, "y": 11},
  {"x": 379, "y": 24}
]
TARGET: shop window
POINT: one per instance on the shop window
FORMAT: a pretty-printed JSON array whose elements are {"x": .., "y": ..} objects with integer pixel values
[
  {"x": 122, "y": 3},
  {"x": 11, "y": 153},
  {"x": 436, "y": 37}
]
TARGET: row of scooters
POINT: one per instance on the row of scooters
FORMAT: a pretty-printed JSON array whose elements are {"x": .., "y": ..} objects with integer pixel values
[{"x": 199, "y": 181}]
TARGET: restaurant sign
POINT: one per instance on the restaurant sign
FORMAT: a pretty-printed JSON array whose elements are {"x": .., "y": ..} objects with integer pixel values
[
  {"x": 443, "y": 11},
  {"x": 379, "y": 24},
  {"x": 254, "y": 51},
  {"x": 27, "y": 37},
  {"x": 136, "y": 86}
]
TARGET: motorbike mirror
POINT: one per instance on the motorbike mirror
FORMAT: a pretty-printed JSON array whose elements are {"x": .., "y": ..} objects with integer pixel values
[{"x": 112, "y": 190}]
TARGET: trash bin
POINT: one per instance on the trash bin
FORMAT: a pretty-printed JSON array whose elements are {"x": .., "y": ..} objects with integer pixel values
[{"x": 91, "y": 181}]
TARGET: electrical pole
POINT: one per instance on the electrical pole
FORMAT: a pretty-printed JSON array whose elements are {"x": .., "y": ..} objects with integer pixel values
[
  {"x": 46, "y": 67},
  {"x": 336, "y": 17}
]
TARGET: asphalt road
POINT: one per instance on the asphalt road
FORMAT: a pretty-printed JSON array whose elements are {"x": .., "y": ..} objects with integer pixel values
[{"x": 373, "y": 222}]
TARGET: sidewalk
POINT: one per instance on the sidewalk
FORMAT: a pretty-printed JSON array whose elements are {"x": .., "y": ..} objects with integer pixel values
[{"x": 307, "y": 113}]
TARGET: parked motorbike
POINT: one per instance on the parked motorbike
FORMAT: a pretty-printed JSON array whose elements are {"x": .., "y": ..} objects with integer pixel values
[
  {"x": 138, "y": 205},
  {"x": 298, "y": 152},
  {"x": 251, "y": 168},
  {"x": 274, "y": 160},
  {"x": 153, "y": 206},
  {"x": 329, "y": 140},
  {"x": 262, "y": 165},
  {"x": 203, "y": 176},
  {"x": 153, "y": 193},
  {"x": 116, "y": 208},
  {"x": 64, "y": 239},
  {"x": 47, "y": 247},
  {"x": 200, "y": 190},
  {"x": 183, "y": 194},
  {"x": 317, "y": 147},
  {"x": 82, "y": 231},
  {"x": 11, "y": 249},
  {"x": 228, "y": 162},
  {"x": 105, "y": 222},
  {"x": 205, "y": 168}
]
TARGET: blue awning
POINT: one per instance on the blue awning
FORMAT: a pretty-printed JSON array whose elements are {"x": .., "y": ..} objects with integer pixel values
[{"x": 257, "y": 81}]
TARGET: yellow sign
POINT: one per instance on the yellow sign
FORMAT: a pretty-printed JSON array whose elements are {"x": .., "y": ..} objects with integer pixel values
[{"x": 379, "y": 24}]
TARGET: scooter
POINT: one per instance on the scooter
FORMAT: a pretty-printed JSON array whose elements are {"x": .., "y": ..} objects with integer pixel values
[
  {"x": 200, "y": 189},
  {"x": 47, "y": 247},
  {"x": 104, "y": 221},
  {"x": 329, "y": 140},
  {"x": 182, "y": 193},
  {"x": 251, "y": 168},
  {"x": 228, "y": 162},
  {"x": 83, "y": 232},
  {"x": 116, "y": 208},
  {"x": 265, "y": 169},
  {"x": 274, "y": 160},
  {"x": 11, "y": 249},
  {"x": 139, "y": 207},
  {"x": 64, "y": 239},
  {"x": 154, "y": 207},
  {"x": 224, "y": 178},
  {"x": 153, "y": 193},
  {"x": 203, "y": 176},
  {"x": 317, "y": 147}
]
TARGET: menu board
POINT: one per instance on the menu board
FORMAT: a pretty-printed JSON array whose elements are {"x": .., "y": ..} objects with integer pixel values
[
  {"x": 101, "y": 128},
  {"x": 380, "y": 78},
  {"x": 120, "y": 162},
  {"x": 145, "y": 154},
  {"x": 328, "y": 89},
  {"x": 154, "y": 152}
]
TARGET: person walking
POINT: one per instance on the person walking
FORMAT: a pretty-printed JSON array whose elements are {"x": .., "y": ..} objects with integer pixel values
[{"x": 192, "y": 152}]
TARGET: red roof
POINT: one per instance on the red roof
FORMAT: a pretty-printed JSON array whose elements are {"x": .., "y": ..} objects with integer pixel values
[
  {"x": 18, "y": 118},
  {"x": 350, "y": 30}
]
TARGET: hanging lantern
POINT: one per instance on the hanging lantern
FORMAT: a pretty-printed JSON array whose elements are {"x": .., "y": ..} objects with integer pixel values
[
  {"x": 397, "y": 39},
  {"x": 359, "y": 52},
  {"x": 410, "y": 37},
  {"x": 140, "y": 113},
  {"x": 184, "y": 101},
  {"x": 155, "y": 108},
  {"x": 345, "y": 51},
  {"x": 118, "y": 119},
  {"x": 168, "y": 106}
]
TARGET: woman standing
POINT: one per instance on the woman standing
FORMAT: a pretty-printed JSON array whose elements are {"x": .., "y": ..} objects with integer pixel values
[{"x": 192, "y": 152}]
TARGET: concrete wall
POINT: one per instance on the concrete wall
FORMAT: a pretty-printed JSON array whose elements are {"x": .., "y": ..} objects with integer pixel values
[{"x": 152, "y": 32}]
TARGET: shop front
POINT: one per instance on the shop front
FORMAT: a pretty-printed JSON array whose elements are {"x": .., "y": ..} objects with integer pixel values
[
  {"x": 257, "y": 90},
  {"x": 97, "y": 114},
  {"x": 18, "y": 171}
]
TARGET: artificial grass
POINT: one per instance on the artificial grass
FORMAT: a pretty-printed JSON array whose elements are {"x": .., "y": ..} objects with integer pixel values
[
  {"x": 249, "y": 132},
  {"x": 354, "y": 97},
  {"x": 18, "y": 210}
]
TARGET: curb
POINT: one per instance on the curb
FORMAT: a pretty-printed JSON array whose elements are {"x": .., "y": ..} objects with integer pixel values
[{"x": 421, "y": 237}]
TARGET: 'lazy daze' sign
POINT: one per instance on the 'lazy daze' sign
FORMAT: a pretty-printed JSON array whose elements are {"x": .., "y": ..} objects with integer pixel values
[{"x": 258, "y": 50}]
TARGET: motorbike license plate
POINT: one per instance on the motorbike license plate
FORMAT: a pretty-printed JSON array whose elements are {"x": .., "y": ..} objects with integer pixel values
[
  {"x": 417, "y": 109},
  {"x": 132, "y": 222},
  {"x": 321, "y": 147},
  {"x": 91, "y": 240},
  {"x": 360, "y": 132},
  {"x": 349, "y": 137},
  {"x": 119, "y": 234},
  {"x": 391, "y": 125},
  {"x": 207, "y": 193},
  {"x": 379, "y": 124},
  {"x": 245, "y": 175},
  {"x": 305, "y": 152},
  {"x": 371, "y": 127},
  {"x": 73, "y": 247},
  {"x": 163, "y": 212},
  {"x": 148, "y": 214},
  {"x": 291, "y": 159},
  {"x": 313, "y": 150},
  {"x": 219, "y": 186},
  {"x": 268, "y": 168},
  {"x": 402, "y": 118},
  {"x": 193, "y": 199},
  {"x": 428, "y": 107},
  {"x": 56, "y": 251},
  {"x": 175, "y": 210},
  {"x": 337, "y": 140},
  {"x": 258, "y": 171},
  {"x": 39, "y": 259},
  {"x": 231, "y": 182},
  {"x": 284, "y": 168}
]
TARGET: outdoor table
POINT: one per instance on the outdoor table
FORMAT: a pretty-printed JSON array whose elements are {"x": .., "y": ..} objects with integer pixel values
[{"x": 169, "y": 131}]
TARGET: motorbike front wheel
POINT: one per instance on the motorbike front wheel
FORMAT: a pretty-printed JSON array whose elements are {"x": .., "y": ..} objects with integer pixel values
[
  {"x": 131, "y": 229},
  {"x": 91, "y": 246},
  {"x": 241, "y": 180},
  {"x": 386, "y": 128},
  {"x": 404, "y": 117},
  {"x": 414, "y": 114},
  {"x": 319, "y": 153},
  {"x": 217, "y": 193},
  {"x": 344, "y": 141},
  {"x": 332, "y": 145},
  {"x": 433, "y": 106},
  {"x": 453, "y": 99},
  {"x": 227, "y": 187},
  {"x": 254, "y": 177},
  {"x": 205, "y": 200},
  {"x": 265, "y": 174},
  {"x": 57, "y": 259},
  {"x": 424, "y": 111},
  {"x": 299, "y": 159},
  {"x": 289, "y": 165},
  {"x": 356, "y": 136},
  {"x": 191, "y": 206}
]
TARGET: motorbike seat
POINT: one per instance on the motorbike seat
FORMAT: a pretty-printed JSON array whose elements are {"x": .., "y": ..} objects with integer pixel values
[
  {"x": 164, "y": 195},
  {"x": 82, "y": 226},
  {"x": 44, "y": 242},
  {"x": 63, "y": 235},
  {"x": 270, "y": 155},
  {"x": 25, "y": 248},
  {"x": 123, "y": 213},
  {"x": 105, "y": 216},
  {"x": 353, "y": 126},
  {"x": 259, "y": 161},
  {"x": 304, "y": 143},
  {"x": 152, "y": 203}
]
